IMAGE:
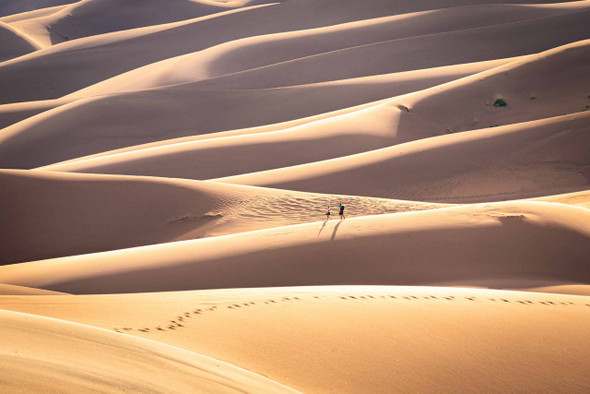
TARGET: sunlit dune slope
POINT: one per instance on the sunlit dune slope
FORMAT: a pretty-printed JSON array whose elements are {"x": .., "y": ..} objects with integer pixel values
[
  {"x": 174, "y": 111},
  {"x": 93, "y": 17},
  {"x": 53, "y": 355},
  {"x": 503, "y": 240},
  {"x": 332, "y": 339},
  {"x": 93, "y": 59},
  {"x": 56, "y": 214},
  {"x": 521, "y": 160},
  {"x": 527, "y": 86},
  {"x": 20, "y": 6}
]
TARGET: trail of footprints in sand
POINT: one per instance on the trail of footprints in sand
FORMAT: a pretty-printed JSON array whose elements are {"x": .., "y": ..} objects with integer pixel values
[{"x": 180, "y": 320}]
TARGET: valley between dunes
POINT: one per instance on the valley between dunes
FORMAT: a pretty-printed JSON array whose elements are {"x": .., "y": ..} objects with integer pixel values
[{"x": 166, "y": 167}]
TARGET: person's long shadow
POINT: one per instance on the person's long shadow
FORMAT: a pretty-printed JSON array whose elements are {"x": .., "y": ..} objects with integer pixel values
[
  {"x": 321, "y": 228},
  {"x": 335, "y": 229}
]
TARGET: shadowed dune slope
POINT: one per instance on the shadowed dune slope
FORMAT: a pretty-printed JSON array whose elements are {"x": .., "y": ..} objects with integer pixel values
[
  {"x": 268, "y": 53},
  {"x": 239, "y": 108},
  {"x": 71, "y": 66},
  {"x": 516, "y": 161},
  {"x": 94, "y": 17},
  {"x": 20, "y": 6},
  {"x": 514, "y": 240},
  {"x": 330, "y": 339},
  {"x": 419, "y": 52},
  {"x": 14, "y": 44},
  {"x": 85, "y": 359},
  {"x": 56, "y": 214},
  {"x": 528, "y": 86},
  {"x": 174, "y": 111}
]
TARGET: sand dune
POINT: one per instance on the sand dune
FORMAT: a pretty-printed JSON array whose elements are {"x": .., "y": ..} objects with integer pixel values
[
  {"x": 218, "y": 110},
  {"x": 88, "y": 359},
  {"x": 14, "y": 44},
  {"x": 414, "y": 116},
  {"x": 549, "y": 156},
  {"x": 17, "y": 7},
  {"x": 21, "y": 290},
  {"x": 105, "y": 56},
  {"x": 32, "y": 14},
  {"x": 279, "y": 104},
  {"x": 93, "y": 17},
  {"x": 166, "y": 166},
  {"x": 271, "y": 52},
  {"x": 516, "y": 240},
  {"x": 331, "y": 339},
  {"x": 53, "y": 214}
]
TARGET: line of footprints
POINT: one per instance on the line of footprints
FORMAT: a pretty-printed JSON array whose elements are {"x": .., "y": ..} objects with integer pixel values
[{"x": 182, "y": 318}]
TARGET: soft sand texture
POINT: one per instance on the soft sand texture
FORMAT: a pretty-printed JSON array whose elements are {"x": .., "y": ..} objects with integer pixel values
[
  {"x": 515, "y": 240},
  {"x": 332, "y": 339},
  {"x": 136, "y": 249},
  {"x": 418, "y": 115},
  {"x": 85, "y": 359},
  {"x": 93, "y": 17},
  {"x": 112, "y": 54},
  {"x": 20, "y": 6},
  {"x": 58, "y": 214},
  {"x": 14, "y": 43},
  {"x": 545, "y": 157}
]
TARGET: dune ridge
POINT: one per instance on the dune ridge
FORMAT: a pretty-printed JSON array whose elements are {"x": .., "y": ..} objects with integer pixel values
[
  {"x": 56, "y": 214},
  {"x": 259, "y": 328},
  {"x": 319, "y": 196},
  {"x": 77, "y": 349},
  {"x": 406, "y": 248}
]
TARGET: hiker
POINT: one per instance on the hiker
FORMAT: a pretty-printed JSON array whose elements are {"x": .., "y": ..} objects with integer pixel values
[
  {"x": 328, "y": 214},
  {"x": 342, "y": 217}
]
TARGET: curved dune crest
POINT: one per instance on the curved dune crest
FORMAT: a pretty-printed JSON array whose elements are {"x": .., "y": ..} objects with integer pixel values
[
  {"x": 14, "y": 43},
  {"x": 20, "y": 6},
  {"x": 516, "y": 161},
  {"x": 94, "y": 17},
  {"x": 57, "y": 214},
  {"x": 516, "y": 240},
  {"x": 326, "y": 339},
  {"x": 85, "y": 358}
]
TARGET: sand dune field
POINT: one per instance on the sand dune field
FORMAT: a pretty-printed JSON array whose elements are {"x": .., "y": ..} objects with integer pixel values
[{"x": 166, "y": 167}]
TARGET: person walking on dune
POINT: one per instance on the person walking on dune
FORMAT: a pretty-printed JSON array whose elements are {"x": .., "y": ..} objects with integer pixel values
[
  {"x": 328, "y": 214},
  {"x": 342, "y": 217}
]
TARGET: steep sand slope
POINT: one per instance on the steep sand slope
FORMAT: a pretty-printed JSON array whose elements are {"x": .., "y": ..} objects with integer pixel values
[
  {"x": 522, "y": 160},
  {"x": 529, "y": 87},
  {"x": 94, "y": 59},
  {"x": 425, "y": 51},
  {"x": 21, "y": 290},
  {"x": 204, "y": 110},
  {"x": 360, "y": 339},
  {"x": 176, "y": 111},
  {"x": 14, "y": 43},
  {"x": 54, "y": 214},
  {"x": 54, "y": 355},
  {"x": 21, "y": 16},
  {"x": 514, "y": 241},
  {"x": 581, "y": 199},
  {"x": 20, "y": 6},
  {"x": 93, "y": 17},
  {"x": 257, "y": 52}
]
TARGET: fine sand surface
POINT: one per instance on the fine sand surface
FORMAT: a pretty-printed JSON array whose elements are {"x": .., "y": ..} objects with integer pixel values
[
  {"x": 448, "y": 244},
  {"x": 330, "y": 339},
  {"x": 85, "y": 358},
  {"x": 548, "y": 156},
  {"x": 58, "y": 214},
  {"x": 166, "y": 167}
]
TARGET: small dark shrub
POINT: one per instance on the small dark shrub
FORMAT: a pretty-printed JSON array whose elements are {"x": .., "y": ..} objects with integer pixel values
[{"x": 500, "y": 103}]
